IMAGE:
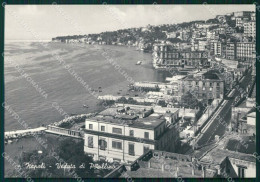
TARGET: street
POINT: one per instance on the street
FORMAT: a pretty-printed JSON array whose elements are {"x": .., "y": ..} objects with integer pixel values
[{"x": 218, "y": 126}]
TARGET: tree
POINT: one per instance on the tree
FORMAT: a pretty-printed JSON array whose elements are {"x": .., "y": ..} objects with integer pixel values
[
  {"x": 162, "y": 103},
  {"x": 122, "y": 100},
  {"x": 68, "y": 151},
  {"x": 189, "y": 99},
  {"x": 131, "y": 101}
]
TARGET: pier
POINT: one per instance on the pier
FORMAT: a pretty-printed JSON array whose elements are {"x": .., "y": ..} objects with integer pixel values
[
  {"x": 10, "y": 135},
  {"x": 63, "y": 131},
  {"x": 14, "y": 135}
]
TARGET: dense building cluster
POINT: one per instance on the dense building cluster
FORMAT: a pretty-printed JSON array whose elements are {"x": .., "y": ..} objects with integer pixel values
[
  {"x": 195, "y": 112},
  {"x": 231, "y": 37}
]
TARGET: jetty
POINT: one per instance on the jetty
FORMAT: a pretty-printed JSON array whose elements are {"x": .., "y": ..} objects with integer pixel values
[
  {"x": 63, "y": 131},
  {"x": 10, "y": 135},
  {"x": 54, "y": 128}
]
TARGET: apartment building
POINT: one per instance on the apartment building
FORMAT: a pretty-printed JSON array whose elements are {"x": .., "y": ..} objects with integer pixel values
[
  {"x": 246, "y": 50},
  {"x": 230, "y": 51},
  {"x": 239, "y": 21},
  {"x": 199, "y": 45},
  {"x": 120, "y": 134},
  {"x": 216, "y": 48},
  {"x": 250, "y": 29},
  {"x": 207, "y": 86},
  {"x": 167, "y": 55}
]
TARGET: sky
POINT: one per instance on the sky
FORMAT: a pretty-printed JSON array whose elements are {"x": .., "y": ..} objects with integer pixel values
[{"x": 43, "y": 22}]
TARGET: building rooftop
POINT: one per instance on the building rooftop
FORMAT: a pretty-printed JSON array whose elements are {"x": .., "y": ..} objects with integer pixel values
[
  {"x": 210, "y": 76},
  {"x": 244, "y": 144},
  {"x": 150, "y": 122},
  {"x": 159, "y": 109},
  {"x": 204, "y": 76},
  {"x": 217, "y": 155},
  {"x": 161, "y": 164},
  {"x": 117, "y": 116}
]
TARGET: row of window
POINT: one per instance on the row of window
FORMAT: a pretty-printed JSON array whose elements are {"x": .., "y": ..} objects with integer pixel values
[
  {"x": 203, "y": 83},
  {"x": 119, "y": 131},
  {"x": 115, "y": 145}
]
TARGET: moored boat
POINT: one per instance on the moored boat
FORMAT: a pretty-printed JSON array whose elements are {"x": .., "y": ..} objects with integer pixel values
[{"x": 139, "y": 62}]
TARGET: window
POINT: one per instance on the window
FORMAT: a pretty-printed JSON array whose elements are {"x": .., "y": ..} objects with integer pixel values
[
  {"x": 117, "y": 130},
  {"x": 131, "y": 149},
  {"x": 117, "y": 145},
  {"x": 131, "y": 133},
  {"x": 217, "y": 84},
  {"x": 90, "y": 141},
  {"x": 197, "y": 83},
  {"x": 146, "y": 135},
  {"x": 146, "y": 149},
  {"x": 102, "y": 144},
  {"x": 102, "y": 128},
  {"x": 203, "y": 83},
  {"x": 90, "y": 126},
  {"x": 241, "y": 172},
  {"x": 210, "y": 84}
]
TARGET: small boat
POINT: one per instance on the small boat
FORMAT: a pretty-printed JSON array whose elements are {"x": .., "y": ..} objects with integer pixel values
[
  {"x": 139, "y": 62},
  {"x": 99, "y": 87},
  {"x": 85, "y": 106}
]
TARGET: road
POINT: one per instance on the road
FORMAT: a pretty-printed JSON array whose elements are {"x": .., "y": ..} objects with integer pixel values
[{"x": 218, "y": 127}]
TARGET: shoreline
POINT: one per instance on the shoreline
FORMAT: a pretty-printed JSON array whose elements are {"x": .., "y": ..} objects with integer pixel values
[
  {"x": 70, "y": 99},
  {"x": 15, "y": 135}
]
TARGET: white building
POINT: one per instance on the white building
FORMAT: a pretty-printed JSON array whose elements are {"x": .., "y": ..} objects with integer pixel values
[
  {"x": 216, "y": 48},
  {"x": 250, "y": 29},
  {"x": 117, "y": 136}
]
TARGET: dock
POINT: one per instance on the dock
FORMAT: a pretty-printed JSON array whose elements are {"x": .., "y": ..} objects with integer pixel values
[{"x": 22, "y": 133}]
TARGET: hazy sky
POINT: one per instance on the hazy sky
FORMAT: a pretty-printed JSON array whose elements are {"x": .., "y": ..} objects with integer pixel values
[{"x": 41, "y": 22}]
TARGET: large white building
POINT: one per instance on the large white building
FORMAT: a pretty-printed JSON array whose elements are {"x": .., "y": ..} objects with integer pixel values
[
  {"x": 246, "y": 50},
  {"x": 250, "y": 29},
  {"x": 216, "y": 48},
  {"x": 123, "y": 134}
]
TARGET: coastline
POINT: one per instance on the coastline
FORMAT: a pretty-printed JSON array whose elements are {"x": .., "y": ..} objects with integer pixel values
[{"x": 47, "y": 73}]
